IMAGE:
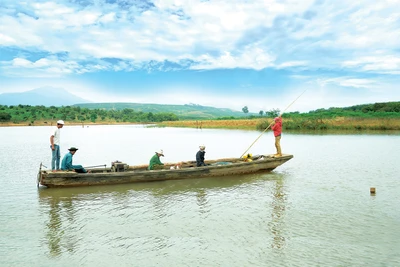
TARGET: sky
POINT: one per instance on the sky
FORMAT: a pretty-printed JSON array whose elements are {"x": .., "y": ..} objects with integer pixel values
[{"x": 292, "y": 55}]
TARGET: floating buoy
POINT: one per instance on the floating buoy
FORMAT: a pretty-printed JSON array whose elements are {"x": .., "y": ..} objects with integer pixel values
[{"x": 372, "y": 190}]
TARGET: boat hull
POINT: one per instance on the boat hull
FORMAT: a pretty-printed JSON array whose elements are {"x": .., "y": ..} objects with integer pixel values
[{"x": 215, "y": 168}]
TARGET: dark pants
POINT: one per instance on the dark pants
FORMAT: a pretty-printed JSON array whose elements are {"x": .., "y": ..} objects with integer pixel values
[{"x": 79, "y": 169}]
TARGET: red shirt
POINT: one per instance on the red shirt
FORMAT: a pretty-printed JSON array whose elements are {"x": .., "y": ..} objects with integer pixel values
[{"x": 277, "y": 127}]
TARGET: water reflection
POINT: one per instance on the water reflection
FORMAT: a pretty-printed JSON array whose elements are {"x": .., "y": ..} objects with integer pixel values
[
  {"x": 201, "y": 197},
  {"x": 72, "y": 212},
  {"x": 277, "y": 225},
  {"x": 61, "y": 218}
]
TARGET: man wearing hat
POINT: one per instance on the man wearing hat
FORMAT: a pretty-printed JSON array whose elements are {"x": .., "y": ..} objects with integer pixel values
[
  {"x": 55, "y": 146},
  {"x": 200, "y": 155},
  {"x": 66, "y": 164},
  {"x": 155, "y": 162}
]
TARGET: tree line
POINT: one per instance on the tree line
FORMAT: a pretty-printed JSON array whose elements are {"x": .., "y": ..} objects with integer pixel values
[
  {"x": 269, "y": 113},
  {"x": 387, "y": 109},
  {"x": 31, "y": 114}
]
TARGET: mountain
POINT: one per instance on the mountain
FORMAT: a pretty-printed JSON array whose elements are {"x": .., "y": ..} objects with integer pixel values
[
  {"x": 188, "y": 111},
  {"x": 52, "y": 96},
  {"x": 43, "y": 96}
]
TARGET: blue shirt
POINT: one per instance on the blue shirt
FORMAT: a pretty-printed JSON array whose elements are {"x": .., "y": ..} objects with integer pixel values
[{"x": 66, "y": 163}]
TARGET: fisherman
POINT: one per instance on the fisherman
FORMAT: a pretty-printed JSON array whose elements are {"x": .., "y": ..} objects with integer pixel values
[
  {"x": 66, "y": 164},
  {"x": 55, "y": 146},
  {"x": 277, "y": 128},
  {"x": 155, "y": 162},
  {"x": 200, "y": 156}
]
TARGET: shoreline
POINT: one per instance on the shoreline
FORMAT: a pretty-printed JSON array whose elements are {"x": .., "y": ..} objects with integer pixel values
[
  {"x": 67, "y": 124},
  {"x": 338, "y": 124}
]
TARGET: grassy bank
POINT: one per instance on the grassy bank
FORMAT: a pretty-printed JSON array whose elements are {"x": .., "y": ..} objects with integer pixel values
[
  {"x": 67, "y": 123},
  {"x": 244, "y": 124},
  {"x": 294, "y": 124}
]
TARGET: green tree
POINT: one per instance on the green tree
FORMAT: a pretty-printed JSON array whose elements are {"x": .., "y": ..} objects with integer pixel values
[
  {"x": 272, "y": 113},
  {"x": 245, "y": 110},
  {"x": 93, "y": 117},
  {"x": 4, "y": 116}
]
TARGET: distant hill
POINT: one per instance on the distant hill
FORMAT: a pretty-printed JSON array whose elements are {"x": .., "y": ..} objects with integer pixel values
[
  {"x": 188, "y": 111},
  {"x": 43, "y": 96}
]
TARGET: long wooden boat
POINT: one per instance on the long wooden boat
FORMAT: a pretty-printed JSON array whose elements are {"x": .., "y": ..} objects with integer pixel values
[{"x": 120, "y": 173}]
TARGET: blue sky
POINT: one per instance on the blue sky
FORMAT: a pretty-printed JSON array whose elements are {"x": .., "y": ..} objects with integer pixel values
[{"x": 223, "y": 53}]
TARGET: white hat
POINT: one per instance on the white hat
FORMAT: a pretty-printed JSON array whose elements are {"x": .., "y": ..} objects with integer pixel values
[
  {"x": 60, "y": 122},
  {"x": 202, "y": 147},
  {"x": 161, "y": 152}
]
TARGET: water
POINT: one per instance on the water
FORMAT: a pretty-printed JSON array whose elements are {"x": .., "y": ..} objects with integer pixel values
[{"x": 315, "y": 210}]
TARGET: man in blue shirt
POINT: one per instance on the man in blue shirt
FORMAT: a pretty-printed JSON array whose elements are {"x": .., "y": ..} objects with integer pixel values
[{"x": 66, "y": 164}]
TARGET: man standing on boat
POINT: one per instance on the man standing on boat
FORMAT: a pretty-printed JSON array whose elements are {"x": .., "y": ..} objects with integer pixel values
[
  {"x": 155, "y": 162},
  {"x": 277, "y": 128},
  {"x": 66, "y": 164},
  {"x": 55, "y": 146}
]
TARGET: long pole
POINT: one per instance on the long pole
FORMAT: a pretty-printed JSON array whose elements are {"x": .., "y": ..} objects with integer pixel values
[
  {"x": 95, "y": 166},
  {"x": 273, "y": 122}
]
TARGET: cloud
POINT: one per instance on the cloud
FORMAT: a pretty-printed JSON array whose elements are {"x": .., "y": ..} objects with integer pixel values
[
  {"x": 44, "y": 67},
  {"x": 334, "y": 47},
  {"x": 348, "y": 82},
  {"x": 379, "y": 64},
  {"x": 254, "y": 58},
  {"x": 209, "y": 34}
]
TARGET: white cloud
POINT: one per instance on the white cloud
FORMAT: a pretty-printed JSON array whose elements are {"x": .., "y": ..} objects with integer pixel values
[
  {"x": 250, "y": 58},
  {"x": 196, "y": 30},
  {"x": 348, "y": 82},
  {"x": 356, "y": 41},
  {"x": 44, "y": 67},
  {"x": 291, "y": 64},
  {"x": 380, "y": 64}
]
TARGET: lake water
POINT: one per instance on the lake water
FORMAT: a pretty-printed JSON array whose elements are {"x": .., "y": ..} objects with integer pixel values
[{"x": 315, "y": 210}]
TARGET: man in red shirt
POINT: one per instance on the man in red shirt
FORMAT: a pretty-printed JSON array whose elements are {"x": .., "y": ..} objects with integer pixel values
[{"x": 277, "y": 128}]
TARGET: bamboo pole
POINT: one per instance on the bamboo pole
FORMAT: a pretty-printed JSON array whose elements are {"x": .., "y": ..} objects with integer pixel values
[
  {"x": 97, "y": 166},
  {"x": 273, "y": 122}
]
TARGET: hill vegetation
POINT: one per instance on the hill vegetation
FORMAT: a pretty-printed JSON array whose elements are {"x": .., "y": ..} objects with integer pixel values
[
  {"x": 380, "y": 116},
  {"x": 183, "y": 112},
  {"x": 41, "y": 114}
]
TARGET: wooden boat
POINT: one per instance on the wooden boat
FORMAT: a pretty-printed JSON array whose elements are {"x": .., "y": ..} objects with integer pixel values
[{"x": 120, "y": 173}]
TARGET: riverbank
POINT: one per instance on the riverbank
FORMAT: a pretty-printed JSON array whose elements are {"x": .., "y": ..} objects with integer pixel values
[
  {"x": 340, "y": 123},
  {"x": 245, "y": 124},
  {"x": 293, "y": 124},
  {"x": 67, "y": 123}
]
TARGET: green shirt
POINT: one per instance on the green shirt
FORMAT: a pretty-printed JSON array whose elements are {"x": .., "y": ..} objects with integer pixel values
[{"x": 155, "y": 160}]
